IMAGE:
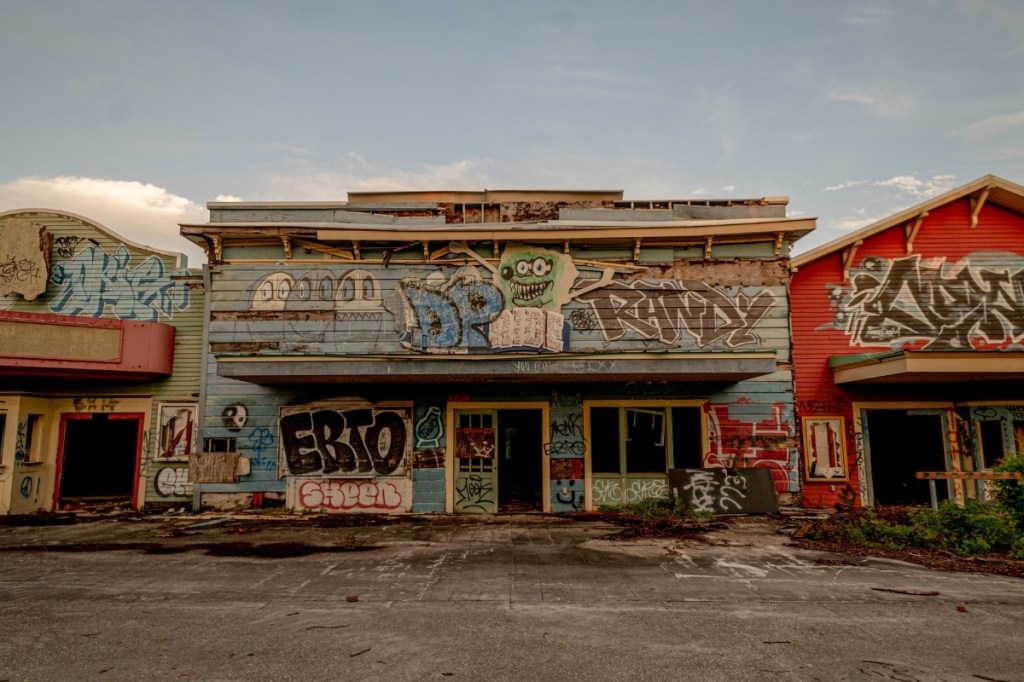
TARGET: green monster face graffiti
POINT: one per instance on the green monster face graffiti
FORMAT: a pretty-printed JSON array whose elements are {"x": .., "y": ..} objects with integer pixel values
[{"x": 535, "y": 278}]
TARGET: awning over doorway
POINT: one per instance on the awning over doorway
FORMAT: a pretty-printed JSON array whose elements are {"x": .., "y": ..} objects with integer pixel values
[
  {"x": 695, "y": 367},
  {"x": 923, "y": 367}
]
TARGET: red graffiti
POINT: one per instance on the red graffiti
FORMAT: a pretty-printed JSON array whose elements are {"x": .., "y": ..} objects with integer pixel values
[
  {"x": 346, "y": 495},
  {"x": 736, "y": 442}
]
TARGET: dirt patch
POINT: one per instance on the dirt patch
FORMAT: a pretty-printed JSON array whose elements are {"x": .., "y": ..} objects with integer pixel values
[
  {"x": 656, "y": 527},
  {"x": 939, "y": 560}
]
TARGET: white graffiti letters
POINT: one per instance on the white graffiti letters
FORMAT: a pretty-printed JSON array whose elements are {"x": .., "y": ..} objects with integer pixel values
[{"x": 347, "y": 495}]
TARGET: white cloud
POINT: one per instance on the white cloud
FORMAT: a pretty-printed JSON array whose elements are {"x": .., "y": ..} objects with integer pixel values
[
  {"x": 990, "y": 127},
  {"x": 228, "y": 197},
  {"x": 288, "y": 149},
  {"x": 867, "y": 16},
  {"x": 729, "y": 188},
  {"x": 881, "y": 104},
  {"x": 845, "y": 185},
  {"x": 924, "y": 189},
  {"x": 321, "y": 182},
  {"x": 141, "y": 212}
]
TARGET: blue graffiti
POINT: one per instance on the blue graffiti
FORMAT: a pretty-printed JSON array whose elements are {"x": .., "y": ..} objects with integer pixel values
[
  {"x": 453, "y": 315},
  {"x": 261, "y": 439},
  {"x": 94, "y": 280},
  {"x": 26, "y": 487},
  {"x": 430, "y": 428}
]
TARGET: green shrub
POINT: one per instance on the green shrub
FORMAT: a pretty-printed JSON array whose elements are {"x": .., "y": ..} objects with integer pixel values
[
  {"x": 976, "y": 528},
  {"x": 1010, "y": 494}
]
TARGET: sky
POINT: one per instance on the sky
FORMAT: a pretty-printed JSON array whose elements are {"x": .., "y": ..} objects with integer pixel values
[{"x": 136, "y": 113}]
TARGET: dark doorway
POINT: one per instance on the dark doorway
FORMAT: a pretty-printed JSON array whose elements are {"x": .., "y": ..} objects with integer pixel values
[
  {"x": 520, "y": 473},
  {"x": 902, "y": 443},
  {"x": 100, "y": 458}
]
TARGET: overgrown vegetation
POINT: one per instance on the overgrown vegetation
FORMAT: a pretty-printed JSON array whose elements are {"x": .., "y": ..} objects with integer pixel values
[
  {"x": 973, "y": 529},
  {"x": 653, "y": 508}
]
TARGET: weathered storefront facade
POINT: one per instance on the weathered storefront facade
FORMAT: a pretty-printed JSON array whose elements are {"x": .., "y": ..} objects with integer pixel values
[
  {"x": 908, "y": 347},
  {"x": 494, "y": 351},
  {"x": 99, "y": 366}
]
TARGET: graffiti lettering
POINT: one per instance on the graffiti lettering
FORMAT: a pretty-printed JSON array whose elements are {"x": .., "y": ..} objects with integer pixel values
[
  {"x": 607, "y": 491},
  {"x": 13, "y": 272},
  {"x": 663, "y": 309},
  {"x": 20, "y": 445},
  {"x": 583, "y": 320},
  {"x": 571, "y": 425},
  {"x": 67, "y": 244},
  {"x": 474, "y": 493},
  {"x": 956, "y": 306},
  {"x": 357, "y": 441},
  {"x": 834, "y": 406},
  {"x": 565, "y": 448},
  {"x": 349, "y": 495},
  {"x": 95, "y": 404},
  {"x": 646, "y": 490},
  {"x": 170, "y": 482},
  {"x": 94, "y": 281},
  {"x": 706, "y": 493}
]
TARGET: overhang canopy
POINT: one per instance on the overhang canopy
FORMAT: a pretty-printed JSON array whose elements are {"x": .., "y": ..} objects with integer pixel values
[
  {"x": 924, "y": 367},
  {"x": 304, "y": 369},
  {"x": 44, "y": 345}
]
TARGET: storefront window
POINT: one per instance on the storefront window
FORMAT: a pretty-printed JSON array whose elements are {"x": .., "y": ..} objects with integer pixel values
[{"x": 644, "y": 440}]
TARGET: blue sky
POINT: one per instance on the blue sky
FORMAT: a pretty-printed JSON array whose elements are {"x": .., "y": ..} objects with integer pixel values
[{"x": 136, "y": 113}]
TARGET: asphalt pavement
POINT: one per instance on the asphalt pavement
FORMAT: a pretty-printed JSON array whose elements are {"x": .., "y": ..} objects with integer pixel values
[{"x": 239, "y": 597}]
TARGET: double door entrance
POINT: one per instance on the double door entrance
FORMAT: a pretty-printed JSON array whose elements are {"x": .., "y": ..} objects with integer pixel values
[{"x": 498, "y": 460}]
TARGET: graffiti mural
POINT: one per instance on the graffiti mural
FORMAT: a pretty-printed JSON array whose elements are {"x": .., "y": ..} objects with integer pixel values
[
  {"x": 944, "y": 306},
  {"x": 94, "y": 283},
  {"x": 171, "y": 482},
  {"x": 743, "y": 442},
  {"x": 352, "y": 295},
  {"x": 361, "y": 441},
  {"x": 519, "y": 308},
  {"x": 663, "y": 309},
  {"x": 177, "y": 430},
  {"x": 341, "y": 495},
  {"x": 24, "y": 256}
]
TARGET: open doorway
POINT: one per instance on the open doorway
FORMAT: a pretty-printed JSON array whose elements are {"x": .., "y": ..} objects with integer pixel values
[
  {"x": 901, "y": 443},
  {"x": 98, "y": 459},
  {"x": 520, "y": 464}
]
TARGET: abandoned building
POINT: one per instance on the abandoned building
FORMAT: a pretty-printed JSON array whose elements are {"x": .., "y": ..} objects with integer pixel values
[
  {"x": 907, "y": 346},
  {"x": 99, "y": 365},
  {"x": 486, "y": 351}
]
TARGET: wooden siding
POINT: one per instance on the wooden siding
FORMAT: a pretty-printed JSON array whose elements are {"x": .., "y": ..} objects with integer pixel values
[
  {"x": 819, "y": 293},
  {"x": 95, "y": 274}
]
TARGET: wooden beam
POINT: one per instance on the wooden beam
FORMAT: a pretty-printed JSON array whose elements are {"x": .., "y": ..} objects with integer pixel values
[
  {"x": 977, "y": 201},
  {"x": 355, "y": 250},
  {"x": 779, "y": 236},
  {"x": 910, "y": 231},
  {"x": 636, "y": 251},
  {"x": 565, "y": 246},
  {"x": 847, "y": 255},
  {"x": 708, "y": 241},
  {"x": 320, "y": 248},
  {"x": 286, "y": 242},
  {"x": 218, "y": 249}
]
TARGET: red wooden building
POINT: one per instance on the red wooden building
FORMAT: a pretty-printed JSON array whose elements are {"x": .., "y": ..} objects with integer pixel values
[{"x": 908, "y": 350}]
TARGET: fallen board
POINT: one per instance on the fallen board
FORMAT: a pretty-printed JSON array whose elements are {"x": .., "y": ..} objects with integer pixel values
[{"x": 726, "y": 491}]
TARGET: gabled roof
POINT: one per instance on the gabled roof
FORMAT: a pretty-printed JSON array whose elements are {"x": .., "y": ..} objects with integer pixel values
[{"x": 989, "y": 188}]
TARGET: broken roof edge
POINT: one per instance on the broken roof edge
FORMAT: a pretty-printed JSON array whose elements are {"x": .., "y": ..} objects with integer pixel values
[{"x": 985, "y": 182}]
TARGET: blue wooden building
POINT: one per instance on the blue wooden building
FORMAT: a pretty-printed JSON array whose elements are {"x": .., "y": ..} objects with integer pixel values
[{"x": 495, "y": 350}]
